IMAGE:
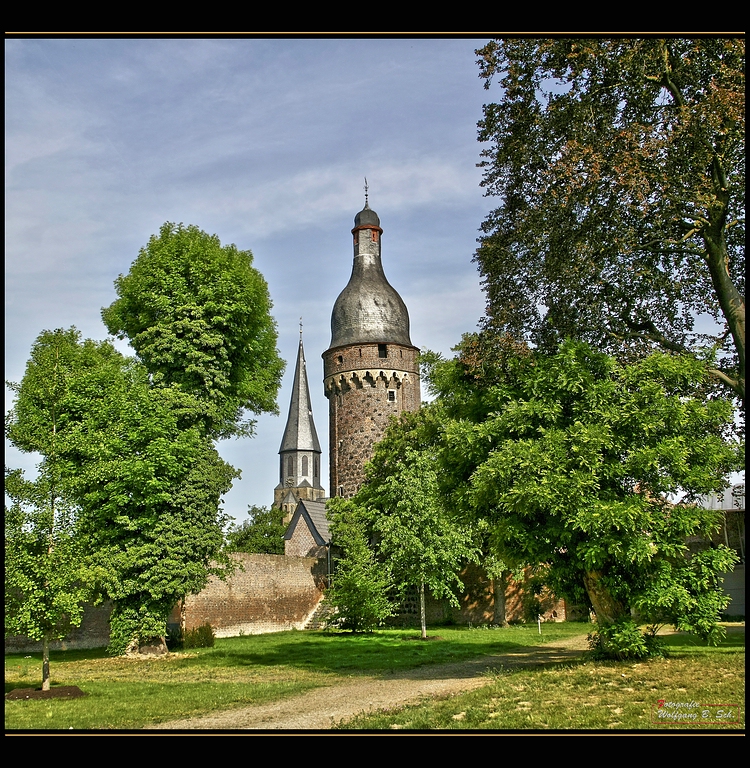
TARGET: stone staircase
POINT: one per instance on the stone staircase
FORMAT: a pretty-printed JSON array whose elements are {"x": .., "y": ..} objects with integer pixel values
[{"x": 321, "y": 616}]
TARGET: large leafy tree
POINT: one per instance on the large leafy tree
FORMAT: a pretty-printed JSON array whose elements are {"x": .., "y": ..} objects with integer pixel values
[
  {"x": 46, "y": 575},
  {"x": 620, "y": 169},
  {"x": 412, "y": 530},
  {"x": 576, "y": 461},
  {"x": 198, "y": 316},
  {"x": 145, "y": 487},
  {"x": 361, "y": 589}
]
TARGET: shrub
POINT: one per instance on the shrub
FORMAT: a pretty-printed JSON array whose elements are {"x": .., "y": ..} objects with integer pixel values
[
  {"x": 200, "y": 637},
  {"x": 623, "y": 640}
]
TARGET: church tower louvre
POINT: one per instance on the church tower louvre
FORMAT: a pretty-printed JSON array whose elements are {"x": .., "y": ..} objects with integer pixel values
[
  {"x": 371, "y": 368},
  {"x": 299, "y": 455}
]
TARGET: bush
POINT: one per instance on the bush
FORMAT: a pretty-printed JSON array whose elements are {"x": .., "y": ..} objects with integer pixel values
[
  {"x": 200, "y": 637},
  {"x": 624, "y": 640}
]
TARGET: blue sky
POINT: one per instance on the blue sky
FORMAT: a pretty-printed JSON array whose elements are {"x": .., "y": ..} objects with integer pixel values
[{"x": 264, "y": 142}]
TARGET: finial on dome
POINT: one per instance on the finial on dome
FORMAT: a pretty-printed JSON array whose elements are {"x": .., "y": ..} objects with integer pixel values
[{"x": 367, "y": 204}]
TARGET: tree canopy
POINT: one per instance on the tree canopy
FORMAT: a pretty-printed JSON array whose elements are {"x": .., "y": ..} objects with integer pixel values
[
  {"x": 262, "y": 534},
  {"x": 620, "y": 169},
  {"x": 198, "y": 316},
  {"x": 414, "y": 534},
  {"x": 145, "y": 488},
  {"x": 591, "y": 466},
  {"x": 361, "y": 589},
  {"x": 46, "y": 575}
]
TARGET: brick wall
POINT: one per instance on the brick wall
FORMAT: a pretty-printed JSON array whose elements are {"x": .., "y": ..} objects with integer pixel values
[
  {"x": 302, "y": 543},
  {"x": 93, "y": 633},
  {"x": 477, "y": 603},
  {"x": 267, "y": 593}
]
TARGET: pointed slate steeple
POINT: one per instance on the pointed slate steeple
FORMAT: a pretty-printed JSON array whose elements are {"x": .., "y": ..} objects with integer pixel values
[{"x": 299, "y": 465}]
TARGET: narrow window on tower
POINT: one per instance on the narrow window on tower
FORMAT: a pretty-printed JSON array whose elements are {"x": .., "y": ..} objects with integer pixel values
[
  {"x": 391, "y": 395},
  {"x": 382, "y": 350},
  {"x": 290, "y": 466},
  {"x": 304, "y": 466}
]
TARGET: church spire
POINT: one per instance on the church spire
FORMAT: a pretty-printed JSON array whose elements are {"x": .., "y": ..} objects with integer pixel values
[
  {"x": 299, "y": 465},
  {"x": 300, "y": 434}
]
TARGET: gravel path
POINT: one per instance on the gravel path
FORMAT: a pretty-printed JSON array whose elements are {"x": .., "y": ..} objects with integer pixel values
[{"x": 324, "y": 707}]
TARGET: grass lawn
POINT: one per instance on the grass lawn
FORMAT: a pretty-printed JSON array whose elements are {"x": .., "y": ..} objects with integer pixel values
[
  {"x": 131, "y": 693},
  {"x": 596, "y": 696},
  {"x": 128, "y": 693}
]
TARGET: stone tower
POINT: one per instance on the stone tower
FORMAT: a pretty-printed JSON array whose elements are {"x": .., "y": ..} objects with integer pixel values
[
  {"x": 299, "y": 462},
  {"x": 371, "y": 369}
]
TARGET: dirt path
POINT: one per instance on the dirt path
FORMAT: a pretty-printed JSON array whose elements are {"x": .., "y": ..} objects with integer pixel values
[{"x": 324, "y": 707}]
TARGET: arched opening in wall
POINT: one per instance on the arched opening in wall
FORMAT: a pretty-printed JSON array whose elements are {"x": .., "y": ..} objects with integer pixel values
[
  {"x": 316, "y": 467},
  {"x": 304, "y": 466},
  {"x": 290, "y": 466}
]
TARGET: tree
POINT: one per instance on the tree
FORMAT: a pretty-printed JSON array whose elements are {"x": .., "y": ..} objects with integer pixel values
[
  {"x": 576, "y": 462},
  {"x": 361, "y": 586},
  {"x": 413, "y": 533},
  {"x": 146, "y": 487},
  {"x": 263, "y": 533},
  {"x": 45, "y": 568},
  {"x": 198, "y": 316},
  {"x": 619, "y": 164}
]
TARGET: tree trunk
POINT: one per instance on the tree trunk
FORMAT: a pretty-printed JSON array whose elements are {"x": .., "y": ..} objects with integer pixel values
[
  {"x": 45, "y": 664},
  {"x": 498, "y": 610},
  {"x": 606, "y": 607},
  {"x": 422, "y": 611}
]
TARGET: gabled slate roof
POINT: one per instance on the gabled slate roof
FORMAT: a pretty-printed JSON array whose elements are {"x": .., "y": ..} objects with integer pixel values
[{"x": 313, "y": 513}]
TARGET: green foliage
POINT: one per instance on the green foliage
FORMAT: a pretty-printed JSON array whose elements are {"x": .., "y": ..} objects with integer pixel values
[
  {"x": 414, "y": 536},
  {"x": 572, "y": 459},
  {"x": 146, "y": 487},
  {"x": 46, "y": 575},
  {"x": 361, "y": 585},
  {"x": 620, "y": 169},
  {"x": 623, "y": 640},
  {"x": 263, "y": 533},
  {"x": 130, "y": 441},
  {"x": 200, "y": 637},
  {"x": 45, "y": 568},
  {"x": 198, "y": 316}
]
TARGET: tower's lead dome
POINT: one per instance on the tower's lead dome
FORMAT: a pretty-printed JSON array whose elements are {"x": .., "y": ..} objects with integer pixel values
[{"x": 368, "y": 310}]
